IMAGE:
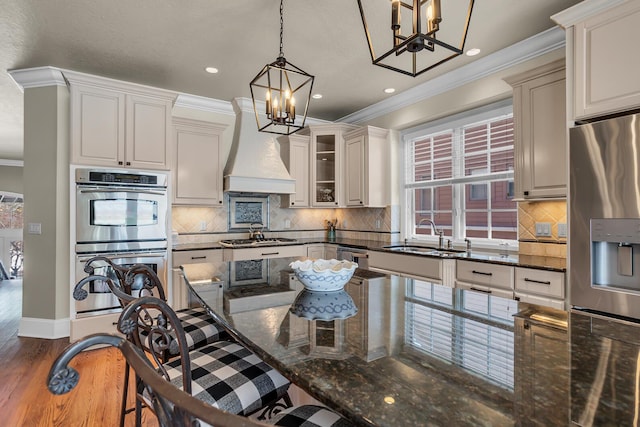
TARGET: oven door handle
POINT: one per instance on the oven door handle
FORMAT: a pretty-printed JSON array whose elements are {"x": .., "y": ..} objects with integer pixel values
[
  {"x": 86, "y": 258},
  {"x": 124, "y": 190}
]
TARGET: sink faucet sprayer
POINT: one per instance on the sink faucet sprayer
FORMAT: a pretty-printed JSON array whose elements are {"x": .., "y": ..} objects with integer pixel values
[{"x": 440, "y": 233}]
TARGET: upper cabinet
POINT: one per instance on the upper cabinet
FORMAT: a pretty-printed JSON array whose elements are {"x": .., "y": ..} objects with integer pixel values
[
  {"x": 327, "y": 157},
  {"x": 294, "y": 150},
  {"x": 367, "y": 167},
  {"x": 539, "y": 110},
  {"x": 114, "y": 124},
  {"x": 197, "y": 162},
  {"x": 601, "y": 39}
]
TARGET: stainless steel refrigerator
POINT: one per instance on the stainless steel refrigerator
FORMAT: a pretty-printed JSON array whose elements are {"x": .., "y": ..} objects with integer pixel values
[{"x": 604, "y": 216}]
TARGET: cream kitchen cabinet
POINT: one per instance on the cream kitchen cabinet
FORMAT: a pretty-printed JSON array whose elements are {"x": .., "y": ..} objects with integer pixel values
[
  {"x": 315, "y": 251},
  {"x": 327, "y": 158},
  {"x": 197, "y": 162},
  {"x": 294, "y": 151},
  {"x": 540, "y": 287},
  {"x": 493, "y": 279},
  {"x": 179, "y": 295},
  {"x": 367, "y": 176},
  {"x": 114, "y": 127},
  {"x": 601, "y": 39},
  {"x": 540, "y": 132}
]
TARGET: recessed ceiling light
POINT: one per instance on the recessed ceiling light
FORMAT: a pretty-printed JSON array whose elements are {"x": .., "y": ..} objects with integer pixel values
[
  {"x": 211, "y": 70},
  {"x": 473, "y": 52},
  {"x": 317, "y": 96},
  {"x": 389, "y": 90}
]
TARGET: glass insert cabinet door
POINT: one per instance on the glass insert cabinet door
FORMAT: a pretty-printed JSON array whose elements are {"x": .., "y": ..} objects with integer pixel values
[{"x": 325, "y": 169}]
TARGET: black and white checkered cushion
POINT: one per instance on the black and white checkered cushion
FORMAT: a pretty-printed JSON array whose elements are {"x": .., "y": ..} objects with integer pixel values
[
  {"x": 308, "y": 416},
  {"x": 199, "y": 329},
  {"x": 230, "y": 377}
]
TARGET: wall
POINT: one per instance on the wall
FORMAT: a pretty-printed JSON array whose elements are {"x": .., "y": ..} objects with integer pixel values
[
  {"x": 11, "y": 179},
  {"x": 46, "y": 201},
  {"x": 553, "y": 212}
]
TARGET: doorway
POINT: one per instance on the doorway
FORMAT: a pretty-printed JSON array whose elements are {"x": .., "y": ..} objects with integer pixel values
[{"x": 11, "y": 243}]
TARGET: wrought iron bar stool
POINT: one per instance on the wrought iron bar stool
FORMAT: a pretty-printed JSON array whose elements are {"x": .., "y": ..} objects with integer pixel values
[
  {"x": 174, "y": 407},
  {"x": 200, "y": 328}
]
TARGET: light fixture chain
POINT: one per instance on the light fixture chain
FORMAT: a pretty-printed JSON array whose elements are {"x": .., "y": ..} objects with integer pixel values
[{"x": 281, "y": 28}]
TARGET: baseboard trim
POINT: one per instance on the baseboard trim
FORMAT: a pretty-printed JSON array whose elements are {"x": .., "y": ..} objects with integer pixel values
[{"x": 51, "y": 329}]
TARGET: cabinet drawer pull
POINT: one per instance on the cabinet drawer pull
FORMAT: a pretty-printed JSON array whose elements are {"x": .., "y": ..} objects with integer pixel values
[
  {"x": 271, "y": 253},
  {"x": 480, "y": 290},
  {"x": 481, "y": 272},
  {"x": 199, "y": 257},
  {"x": 542, "y": 282}
]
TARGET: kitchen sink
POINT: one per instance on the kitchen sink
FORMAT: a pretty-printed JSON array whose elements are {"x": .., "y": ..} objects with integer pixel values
[{"x": 425, "y": 250}]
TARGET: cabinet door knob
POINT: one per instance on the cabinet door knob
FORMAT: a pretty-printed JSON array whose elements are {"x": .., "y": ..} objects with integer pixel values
[
  {"x": 336, "y": 203},
  {"x": 219, "y": 201},
  {"x": 293, "y": 203},
  {"x": 360, "y": 201},
  {"x": 120, "y": 163},
  {"x": 128, "y": 163},
  {"x": 526, "y": 193}
]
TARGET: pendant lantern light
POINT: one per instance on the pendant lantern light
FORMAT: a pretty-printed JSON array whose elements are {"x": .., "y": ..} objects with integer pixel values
[
  {"x": 284, "y": 90},
  {"x": 423, "y": 33}
]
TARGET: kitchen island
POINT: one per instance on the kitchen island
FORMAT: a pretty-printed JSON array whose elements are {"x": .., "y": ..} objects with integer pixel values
[{"x": 420, "y": 354}]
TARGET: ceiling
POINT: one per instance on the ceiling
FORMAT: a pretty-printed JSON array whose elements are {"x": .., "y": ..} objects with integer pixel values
[{"x": 168, "y": 43}]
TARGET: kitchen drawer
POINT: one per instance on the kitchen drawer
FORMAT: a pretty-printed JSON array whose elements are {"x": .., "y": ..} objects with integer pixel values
[
  {"x": 265, "y": 252},
  {"x": 540, "y": 300},
  {"x": 540, "y": 282},
  {"x": 416, "y": 266},
  {"x": 492, "y": 275},
  {"x": 494, "y": 292},
  {"x": 196, "y": 256}
]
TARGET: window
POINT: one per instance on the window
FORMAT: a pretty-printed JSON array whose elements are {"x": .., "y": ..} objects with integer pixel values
[{"x": 459, "y": 174}]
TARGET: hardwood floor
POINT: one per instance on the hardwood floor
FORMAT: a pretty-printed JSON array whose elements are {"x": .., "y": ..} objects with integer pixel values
[{"x": 25, "y": 362}]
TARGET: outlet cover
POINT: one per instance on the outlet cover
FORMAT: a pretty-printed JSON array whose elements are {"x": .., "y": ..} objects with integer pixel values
[
  {"x": 203, "y": 225},
  {"x": 562, "y": 229},
  {"x": 543, "y": 229}
]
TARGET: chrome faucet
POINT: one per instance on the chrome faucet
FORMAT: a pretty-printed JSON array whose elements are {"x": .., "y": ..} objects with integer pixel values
[
  {"x": 468, "y": 242},
  {"x": 440, "y": 233}
]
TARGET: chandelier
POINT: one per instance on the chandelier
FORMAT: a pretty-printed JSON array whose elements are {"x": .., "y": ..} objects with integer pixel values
[
  {"x": 422, "y": 35},
  {"x": 276, "y": 87}
]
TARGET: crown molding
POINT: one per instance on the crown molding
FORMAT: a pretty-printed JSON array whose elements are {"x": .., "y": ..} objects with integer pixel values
[
  {"x": 581, "y": 11},
  {"x": 205, "y": 104},
  {"x": 538, "y": 45},
  {"x": 37, "y": 77}
]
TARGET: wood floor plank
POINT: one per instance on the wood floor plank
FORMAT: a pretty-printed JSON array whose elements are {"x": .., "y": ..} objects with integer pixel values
[{"x": 25, "y": 363}]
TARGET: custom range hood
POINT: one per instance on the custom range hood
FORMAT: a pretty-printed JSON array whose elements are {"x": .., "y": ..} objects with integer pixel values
[{"x": 254, "y": 163}]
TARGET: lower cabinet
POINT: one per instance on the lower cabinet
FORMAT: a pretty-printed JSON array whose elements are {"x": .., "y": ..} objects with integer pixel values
[
  {"x": 178, "y": 294},
  {"x": 315, "y": 251},
  {"x": 542, "y": 368},
  {"x": 106, "y": 324}
]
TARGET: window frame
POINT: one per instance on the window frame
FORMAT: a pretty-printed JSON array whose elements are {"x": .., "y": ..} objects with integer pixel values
[{"x": 407, "y": 208}]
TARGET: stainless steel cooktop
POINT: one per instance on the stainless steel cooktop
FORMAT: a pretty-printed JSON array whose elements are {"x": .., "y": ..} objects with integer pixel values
[{"x": 248, "y": 243}]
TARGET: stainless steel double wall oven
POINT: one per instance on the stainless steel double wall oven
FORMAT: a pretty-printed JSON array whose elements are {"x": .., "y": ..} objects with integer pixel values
[{"x": 121, "y": 215}]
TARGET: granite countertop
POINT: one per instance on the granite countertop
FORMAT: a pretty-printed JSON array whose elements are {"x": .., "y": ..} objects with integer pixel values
[
  {"x": 415, "y": 357},
  {"x": 530, "y": 261}
]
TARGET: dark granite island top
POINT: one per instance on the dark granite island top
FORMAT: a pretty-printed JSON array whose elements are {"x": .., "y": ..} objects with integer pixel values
[{"x": 418, "y": 354}]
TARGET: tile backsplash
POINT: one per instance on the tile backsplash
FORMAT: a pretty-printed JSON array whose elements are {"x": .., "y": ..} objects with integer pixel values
[
  {"x": 552, "y": 212},
  {"x": 368, "y": 223}
]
